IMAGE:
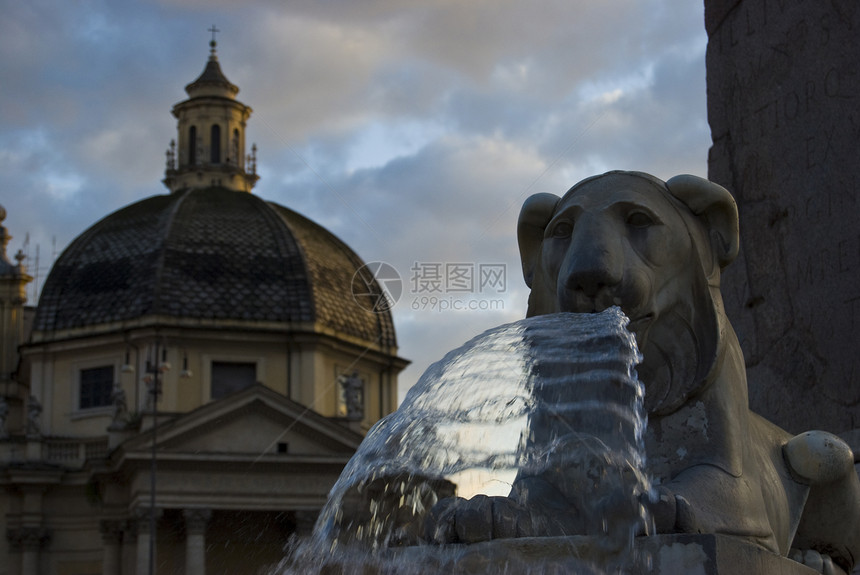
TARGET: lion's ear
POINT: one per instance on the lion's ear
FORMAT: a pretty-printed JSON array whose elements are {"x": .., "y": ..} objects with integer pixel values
[
  {"x": 716, "y": 207},
  {"x": 535, "y": 214}
]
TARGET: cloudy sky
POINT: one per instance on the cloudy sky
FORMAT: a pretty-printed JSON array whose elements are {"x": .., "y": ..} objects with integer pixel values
[{"x": 413, "y": 130}]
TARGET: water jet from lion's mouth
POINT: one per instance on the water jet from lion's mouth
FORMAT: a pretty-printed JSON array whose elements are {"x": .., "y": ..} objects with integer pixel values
[{"x": 552, "y": 399}]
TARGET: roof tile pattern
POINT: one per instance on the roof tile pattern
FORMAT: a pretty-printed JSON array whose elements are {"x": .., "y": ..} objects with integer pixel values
[
  {"x": 107, "y": 273},
  {"x": 331, "y": 265},
  {"x": 208, "y": 254}
]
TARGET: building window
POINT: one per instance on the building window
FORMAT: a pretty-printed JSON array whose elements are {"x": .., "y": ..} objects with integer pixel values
[
  {"x": 96, "y": 387},
  {"x": 215, "y": 149},
  {"x": 229, "y": 377},
  {"x": 192, "y": 145}
]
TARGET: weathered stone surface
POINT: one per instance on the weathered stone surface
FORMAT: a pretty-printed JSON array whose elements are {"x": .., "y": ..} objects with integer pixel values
[
  {"x": 723, "y": 465},
  {"x": 783, "y": 85}
]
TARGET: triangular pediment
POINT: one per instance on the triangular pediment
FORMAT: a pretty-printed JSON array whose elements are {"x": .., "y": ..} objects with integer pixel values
[{"x": 254, "y": 422}]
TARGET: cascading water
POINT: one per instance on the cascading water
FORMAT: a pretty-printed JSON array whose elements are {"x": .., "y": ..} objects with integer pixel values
[{"x": 546, "y": 411}]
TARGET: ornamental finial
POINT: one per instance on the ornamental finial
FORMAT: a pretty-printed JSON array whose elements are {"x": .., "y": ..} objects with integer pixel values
[{"x": 213, "y": 43}]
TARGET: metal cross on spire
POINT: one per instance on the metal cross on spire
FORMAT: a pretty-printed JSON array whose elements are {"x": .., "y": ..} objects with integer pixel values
[{"x": 213, "y": 43}]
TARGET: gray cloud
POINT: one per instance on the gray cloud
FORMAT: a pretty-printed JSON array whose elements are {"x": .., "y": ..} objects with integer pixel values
[{"x": 413, "y": 130}]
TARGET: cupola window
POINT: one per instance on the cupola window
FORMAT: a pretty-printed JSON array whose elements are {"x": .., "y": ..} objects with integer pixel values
[
  {"x": 215, "y": 150},
  {"x": 234, "y": 149},
  {"x": 192, "y": 145}
]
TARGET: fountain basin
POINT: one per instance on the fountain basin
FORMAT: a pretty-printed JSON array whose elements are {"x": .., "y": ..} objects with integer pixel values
[{"x": 678, "y": 554}]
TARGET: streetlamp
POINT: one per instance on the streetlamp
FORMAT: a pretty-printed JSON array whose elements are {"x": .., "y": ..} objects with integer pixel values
[{"x": 153, "y": 369}]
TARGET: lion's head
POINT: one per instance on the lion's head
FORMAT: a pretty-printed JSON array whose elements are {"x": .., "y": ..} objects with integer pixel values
[{"x": 653, "y": 248}]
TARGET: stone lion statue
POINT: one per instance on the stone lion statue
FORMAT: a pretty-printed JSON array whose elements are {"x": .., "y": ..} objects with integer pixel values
[{"x": 656, "y": 249}]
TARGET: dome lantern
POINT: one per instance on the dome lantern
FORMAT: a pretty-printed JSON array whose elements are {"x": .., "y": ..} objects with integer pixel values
[{"x": 210, "y": 146}]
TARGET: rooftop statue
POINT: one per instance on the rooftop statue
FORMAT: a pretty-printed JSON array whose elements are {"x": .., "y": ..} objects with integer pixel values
[{"x": 656, "y": 249}]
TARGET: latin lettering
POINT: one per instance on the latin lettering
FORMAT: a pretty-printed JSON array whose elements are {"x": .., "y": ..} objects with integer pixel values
[
  {"x": 791, "y": 105},
  {"x": 810, "y": 93},
  {"x": 810, "y": 152}
]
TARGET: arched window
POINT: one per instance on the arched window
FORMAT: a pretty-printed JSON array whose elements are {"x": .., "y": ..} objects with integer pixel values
[
  {"x": 215, "y": 145},
  {"x": 192, "y": 145}
]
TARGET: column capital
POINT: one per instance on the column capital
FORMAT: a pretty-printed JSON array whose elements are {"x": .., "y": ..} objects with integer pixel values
[
  {"x": 140, "y": 517},
  {"x": 196, "y": 519},
  {"x": 112, "y": 530},
  {"x": 129, "y": 528},
  {"x": 28, "y": 538}
]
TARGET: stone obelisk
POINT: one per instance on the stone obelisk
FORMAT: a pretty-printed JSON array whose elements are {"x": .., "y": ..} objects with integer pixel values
[{"x": 784, "y": 110}]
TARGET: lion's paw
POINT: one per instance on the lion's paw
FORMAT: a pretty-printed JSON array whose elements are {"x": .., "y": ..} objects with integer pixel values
[
  {"x": 481, "y": 518},
  {"x": 822, "y": 563}
]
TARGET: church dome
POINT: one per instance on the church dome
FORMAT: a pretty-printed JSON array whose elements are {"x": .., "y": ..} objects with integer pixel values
[{"x": 208, "y": 257}]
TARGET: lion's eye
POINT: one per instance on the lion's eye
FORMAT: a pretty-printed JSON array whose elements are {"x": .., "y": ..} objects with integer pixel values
[
  {"x": 562, "y": 230},
  {"x": 640, "y": 220}
]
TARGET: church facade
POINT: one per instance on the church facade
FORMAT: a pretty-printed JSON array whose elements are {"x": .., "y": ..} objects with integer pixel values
[{"x": 194, "y": 377}]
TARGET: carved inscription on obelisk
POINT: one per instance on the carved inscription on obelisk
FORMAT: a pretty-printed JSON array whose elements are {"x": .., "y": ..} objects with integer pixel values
[{"x": 784, "y": 111}]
